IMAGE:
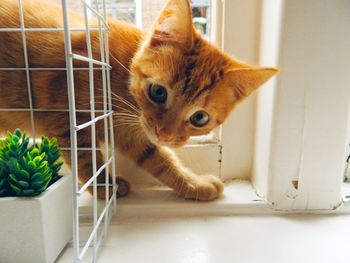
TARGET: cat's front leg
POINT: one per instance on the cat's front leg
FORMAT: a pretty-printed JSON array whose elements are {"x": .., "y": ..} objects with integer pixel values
[
  {"x": 166, "y": 167},
  {"x": 85, "y": 172}
]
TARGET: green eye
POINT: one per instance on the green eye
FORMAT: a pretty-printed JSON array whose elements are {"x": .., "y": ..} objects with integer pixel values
[
  {"x": 157, "y": 93},
  {"x": 200, "y": 119}
]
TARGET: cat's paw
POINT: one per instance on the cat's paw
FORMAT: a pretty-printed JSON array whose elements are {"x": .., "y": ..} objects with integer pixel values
[
  {"x": 204, "y": 188},
  {"x": 123, "y": 188}
]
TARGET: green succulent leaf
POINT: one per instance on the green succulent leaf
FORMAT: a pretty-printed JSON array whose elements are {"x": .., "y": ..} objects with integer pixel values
[
  {"x": 15, "y": 188},
  {"x": 37, "y": 177},
  {"x": 32, "y": 165},
  {"x": 37, "y": 184},
  {"x": 29, "y": 192},
  {"x": 13, "y": 177},
  {"x": 27, "y": 170},
  {"x": 23, "y": 184},
  {"x": 25, "y": 174}
]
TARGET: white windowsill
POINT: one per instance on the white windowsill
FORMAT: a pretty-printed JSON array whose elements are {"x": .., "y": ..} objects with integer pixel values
[
  {"x": 239, "y": 198},
  {"x": 157, "y": 201}
]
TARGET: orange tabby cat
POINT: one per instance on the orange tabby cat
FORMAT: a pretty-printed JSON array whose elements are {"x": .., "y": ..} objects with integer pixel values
[{"x": 174, "y": 85}]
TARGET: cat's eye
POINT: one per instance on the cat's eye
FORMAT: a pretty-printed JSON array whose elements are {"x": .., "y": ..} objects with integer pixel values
[
  {"x": 200, "y": 119},
  {"x": 157, "y": 93}
]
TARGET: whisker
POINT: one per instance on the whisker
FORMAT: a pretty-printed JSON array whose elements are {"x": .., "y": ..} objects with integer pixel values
[
  {"x": 115, "y": 98},
  {"x": 125, "y": 118},
  {"x": 116, "y": 106},
  {"x": 123, "y": 100},
  {"x": 128, "y": 122},
  {"x": 125, "y": 114},
  {"x": 121, "y": 64},
  {"x": 120, "y": 99}
]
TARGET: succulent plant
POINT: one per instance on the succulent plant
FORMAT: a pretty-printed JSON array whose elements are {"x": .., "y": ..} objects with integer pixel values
[
  {"x": 31, "y": 175},
  {"x": 24, "y": 170}
]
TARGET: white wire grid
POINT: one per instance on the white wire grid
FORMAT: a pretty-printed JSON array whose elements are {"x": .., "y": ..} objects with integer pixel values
[{"x": 100, "y": 219}]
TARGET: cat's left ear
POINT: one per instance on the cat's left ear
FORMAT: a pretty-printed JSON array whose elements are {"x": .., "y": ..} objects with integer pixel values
[
  {"x": 174, "y": 26},
  {"x": 244, "y": 81}
]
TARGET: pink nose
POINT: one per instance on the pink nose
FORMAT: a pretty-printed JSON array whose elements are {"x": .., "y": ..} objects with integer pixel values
[{"x": 163, "y": 135}]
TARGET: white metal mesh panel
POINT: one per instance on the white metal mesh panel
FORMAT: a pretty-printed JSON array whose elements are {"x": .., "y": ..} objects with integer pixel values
[
  {"x": 89, "y": 9},
  {"x": 95, "y": 238}
]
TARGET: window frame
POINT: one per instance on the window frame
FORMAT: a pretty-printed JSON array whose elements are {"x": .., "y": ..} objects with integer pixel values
[{"x": 134, "y": 4}]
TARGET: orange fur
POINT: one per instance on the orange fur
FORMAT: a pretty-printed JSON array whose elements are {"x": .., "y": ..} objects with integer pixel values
[{"x": 173, "y": 55}]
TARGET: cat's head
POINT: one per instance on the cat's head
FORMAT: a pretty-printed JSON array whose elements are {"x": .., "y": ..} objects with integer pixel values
[{"x": 183, "y": 85}]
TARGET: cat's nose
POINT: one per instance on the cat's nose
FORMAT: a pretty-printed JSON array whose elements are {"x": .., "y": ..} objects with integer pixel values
[{"x": 163, "y": 135}]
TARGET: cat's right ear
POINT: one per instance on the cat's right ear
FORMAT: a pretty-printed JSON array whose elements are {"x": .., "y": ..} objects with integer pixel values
[
  {"x": 174, "y": 26},
  {"x": 244, "y": 81}
]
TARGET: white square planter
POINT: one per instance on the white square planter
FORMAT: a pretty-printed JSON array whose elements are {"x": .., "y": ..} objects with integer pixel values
[{"x": 35, "y": 230}]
